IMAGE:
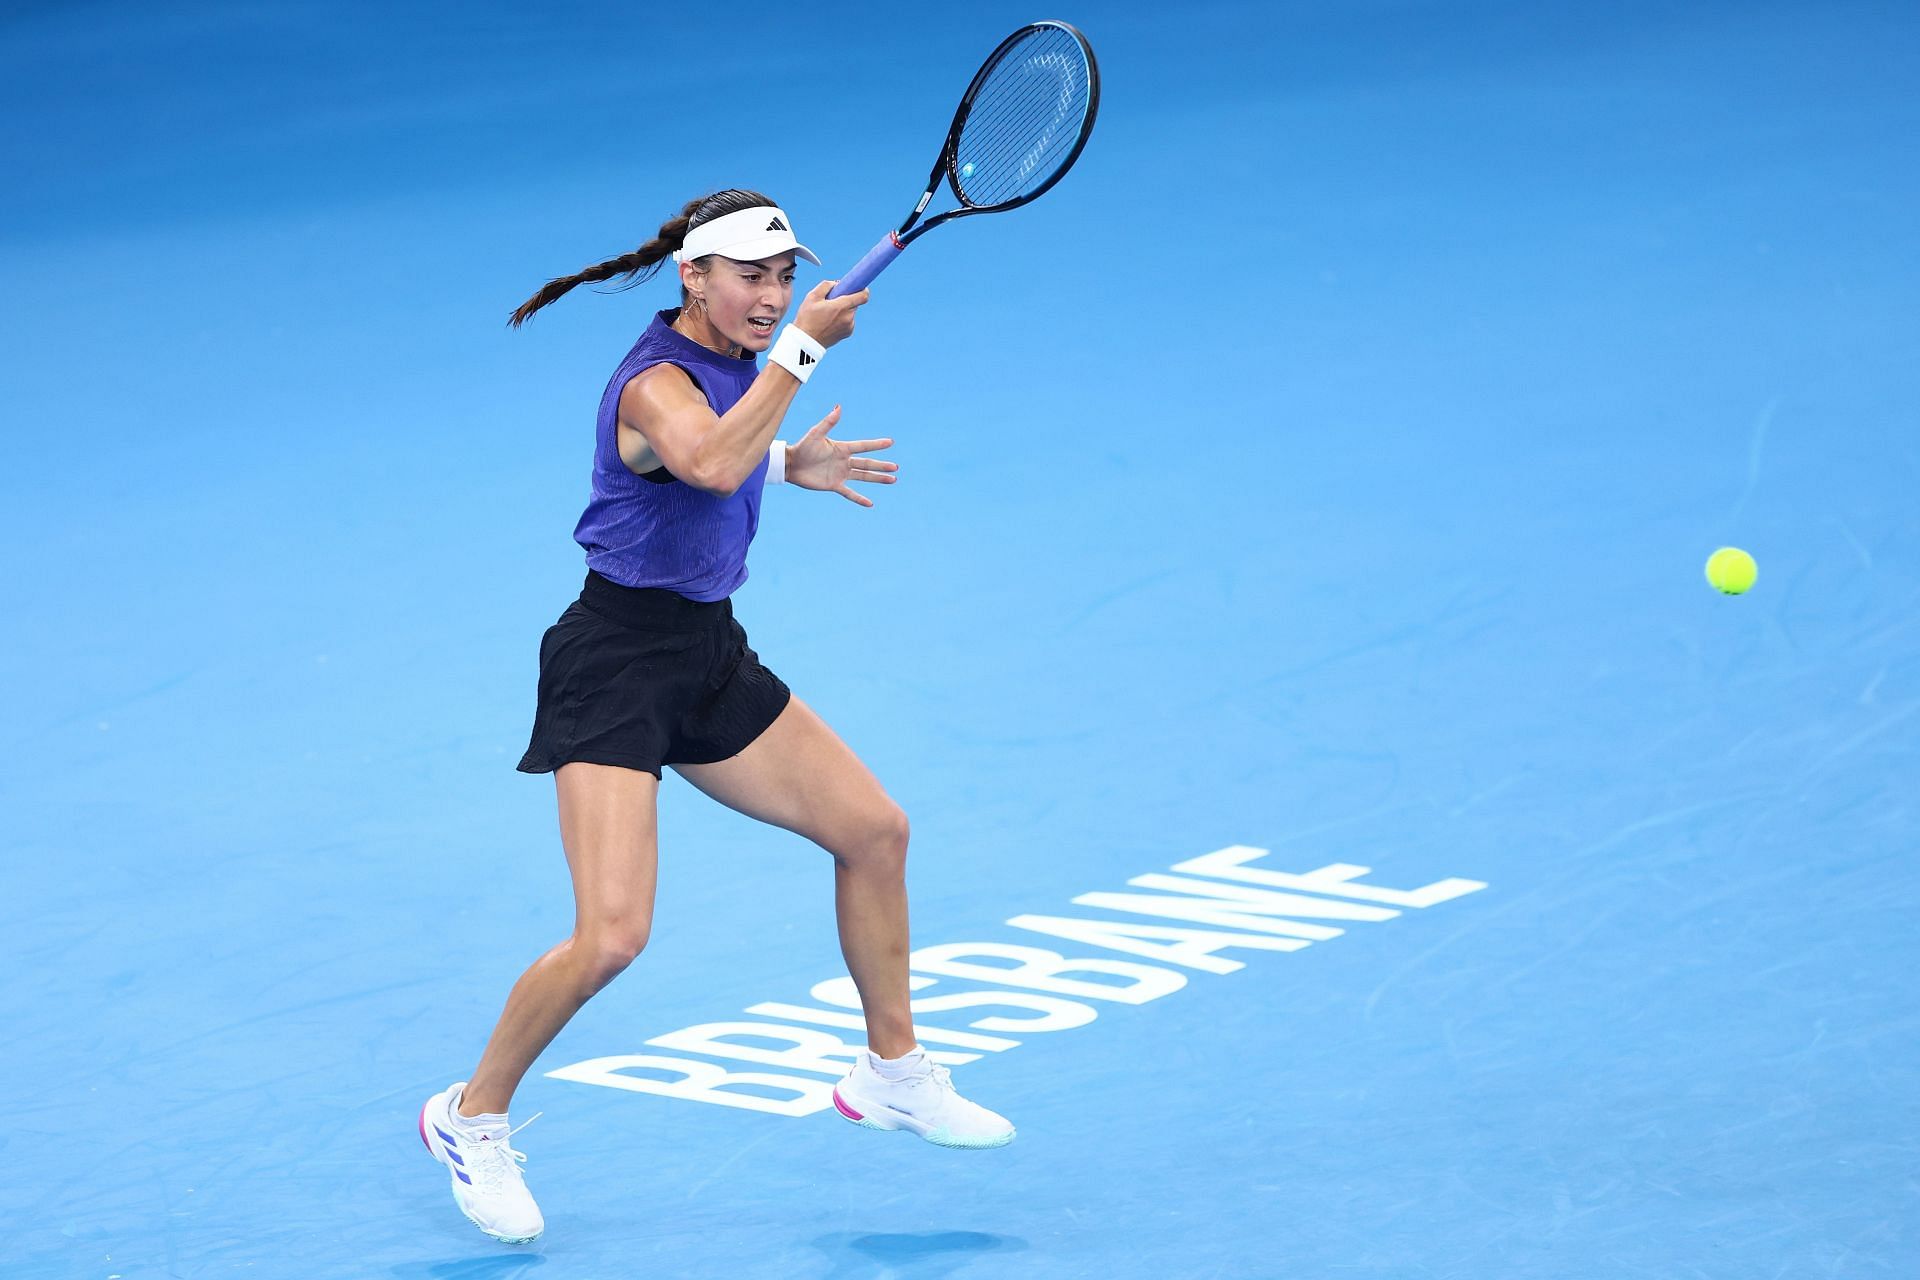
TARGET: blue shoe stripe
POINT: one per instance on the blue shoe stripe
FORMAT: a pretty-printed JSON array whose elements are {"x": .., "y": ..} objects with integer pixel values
[
  {"x": 450, "y": 1143},
  {"x": 463, "y": 1177}
]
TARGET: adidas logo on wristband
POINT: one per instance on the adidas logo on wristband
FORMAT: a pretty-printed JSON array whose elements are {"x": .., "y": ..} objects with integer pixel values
[{"x": 795, "y": 352}]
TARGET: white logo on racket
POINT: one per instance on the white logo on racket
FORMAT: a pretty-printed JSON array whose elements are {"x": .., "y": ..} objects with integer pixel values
[{"x": 1062, "y": 68}]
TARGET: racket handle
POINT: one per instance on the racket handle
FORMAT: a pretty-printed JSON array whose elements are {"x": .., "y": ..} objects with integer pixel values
[{"x": 868, "y": 267}]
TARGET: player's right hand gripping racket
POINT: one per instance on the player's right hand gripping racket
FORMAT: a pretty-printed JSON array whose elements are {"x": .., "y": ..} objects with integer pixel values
[{"x": 1020, "y": 127}]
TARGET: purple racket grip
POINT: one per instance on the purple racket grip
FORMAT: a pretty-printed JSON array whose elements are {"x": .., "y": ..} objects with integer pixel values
[{"x": 868, "y": 267}]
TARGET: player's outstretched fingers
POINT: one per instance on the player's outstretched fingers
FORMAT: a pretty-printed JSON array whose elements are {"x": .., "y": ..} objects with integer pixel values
[{"x": 825, "y": 424}]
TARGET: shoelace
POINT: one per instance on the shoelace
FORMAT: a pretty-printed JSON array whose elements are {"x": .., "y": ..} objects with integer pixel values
[{"x": 496, "y": 1156}]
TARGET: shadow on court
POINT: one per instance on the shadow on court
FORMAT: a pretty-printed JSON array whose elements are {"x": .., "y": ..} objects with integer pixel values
[{"x": 931, "y": 1253}]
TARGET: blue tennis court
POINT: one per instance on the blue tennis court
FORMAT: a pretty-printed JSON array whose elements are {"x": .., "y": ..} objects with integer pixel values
[{"x": 1350, "y": 836}]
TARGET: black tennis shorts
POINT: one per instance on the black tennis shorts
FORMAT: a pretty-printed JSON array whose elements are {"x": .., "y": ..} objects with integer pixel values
[{"x": 643, "y": 677}]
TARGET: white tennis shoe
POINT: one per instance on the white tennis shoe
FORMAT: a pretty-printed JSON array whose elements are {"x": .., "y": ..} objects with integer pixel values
[
  {"x": 925, "y": 1103},
  {"x": 486, "y": 1170}
]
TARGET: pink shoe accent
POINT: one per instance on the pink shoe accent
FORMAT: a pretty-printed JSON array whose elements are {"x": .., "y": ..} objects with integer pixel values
[
  {"x": 844, "y": 1109},
  {"x": 423, "y": 1131}
]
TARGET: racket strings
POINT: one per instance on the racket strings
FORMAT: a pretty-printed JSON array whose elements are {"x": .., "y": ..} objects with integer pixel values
[
  {"x": 1018, "y": 96},
  {"x": 1026, "y": 137},
  {"x": 1013, "y": 156},
  {"x": 1016, "y": 139},
  {"x": 1026, "y": 120}
]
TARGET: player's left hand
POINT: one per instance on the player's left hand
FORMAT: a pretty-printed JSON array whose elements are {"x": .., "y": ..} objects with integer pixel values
[{"x": 815, "y": 462}]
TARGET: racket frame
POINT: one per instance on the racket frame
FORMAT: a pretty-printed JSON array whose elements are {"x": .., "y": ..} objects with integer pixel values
[
  {"x": 906, "y": 233},
  {"x": 950, "y": 149}
]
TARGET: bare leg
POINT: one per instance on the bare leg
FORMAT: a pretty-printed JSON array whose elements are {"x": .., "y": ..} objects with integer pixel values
[
  {"x": 607, "y": 825},
  {"x": 799, "y": 775},
  {"x": 870, "y": 903}
]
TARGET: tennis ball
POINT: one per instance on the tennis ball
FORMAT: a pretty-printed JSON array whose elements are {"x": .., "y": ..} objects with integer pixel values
[{"x": 1731, "y": 570}]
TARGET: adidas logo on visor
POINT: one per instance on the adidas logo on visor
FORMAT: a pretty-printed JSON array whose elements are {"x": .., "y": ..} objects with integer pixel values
[{"x": 776, "y": 225}]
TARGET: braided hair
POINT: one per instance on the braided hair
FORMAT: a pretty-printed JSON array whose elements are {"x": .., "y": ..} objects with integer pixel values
[{"x": 643, "y": 262}]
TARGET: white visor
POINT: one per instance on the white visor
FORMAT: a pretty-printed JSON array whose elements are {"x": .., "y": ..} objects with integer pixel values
[{"x": 746, "y": 236}]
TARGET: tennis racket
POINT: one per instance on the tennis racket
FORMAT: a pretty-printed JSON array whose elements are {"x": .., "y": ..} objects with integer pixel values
[{"x": 1021, "y": 125}]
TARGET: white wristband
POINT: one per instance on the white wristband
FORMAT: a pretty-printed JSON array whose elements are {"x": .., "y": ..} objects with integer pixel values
[
  {"x": 795, "y": 352},
  {"x": 777, "y": 463}
]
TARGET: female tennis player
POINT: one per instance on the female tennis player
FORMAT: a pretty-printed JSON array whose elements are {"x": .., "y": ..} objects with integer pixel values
[{"x": 649, "y": 668}]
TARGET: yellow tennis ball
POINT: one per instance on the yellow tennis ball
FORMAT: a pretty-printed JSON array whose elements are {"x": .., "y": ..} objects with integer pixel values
[{"x": 1731, "y": 570}]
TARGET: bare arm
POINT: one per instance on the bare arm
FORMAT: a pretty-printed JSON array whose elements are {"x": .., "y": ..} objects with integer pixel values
[
  {"x": 717, "y": 452},
  {"x": 663, "y": 410}
]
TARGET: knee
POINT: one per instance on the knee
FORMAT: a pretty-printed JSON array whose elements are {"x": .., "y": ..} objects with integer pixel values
[
  {"x": 606, "y": 950},
  {"x": 880, "y": 844}
]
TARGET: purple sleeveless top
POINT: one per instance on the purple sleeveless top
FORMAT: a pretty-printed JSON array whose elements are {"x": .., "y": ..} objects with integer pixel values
[{"x": 654, "y": 530}]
